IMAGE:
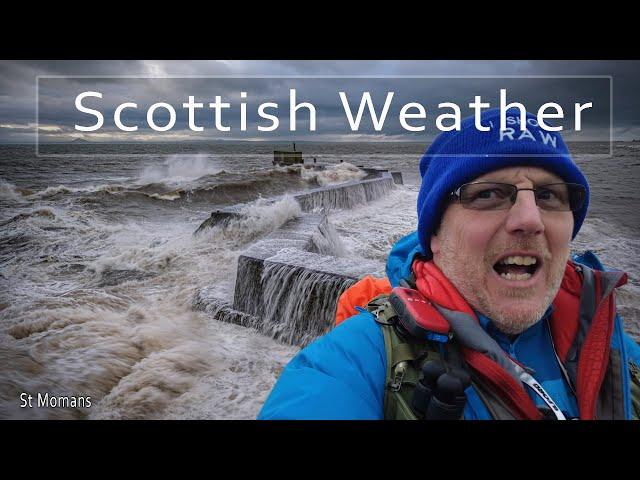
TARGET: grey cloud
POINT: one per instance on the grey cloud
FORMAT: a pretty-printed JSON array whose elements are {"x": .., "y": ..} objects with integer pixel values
[{"x": 17, "y": 85}]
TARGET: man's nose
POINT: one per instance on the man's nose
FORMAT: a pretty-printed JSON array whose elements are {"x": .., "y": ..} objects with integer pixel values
[{"x": 525, "y": 216}]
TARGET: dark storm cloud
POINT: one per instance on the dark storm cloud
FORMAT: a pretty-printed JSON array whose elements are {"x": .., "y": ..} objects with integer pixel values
[{"x": 58, "y": 113}]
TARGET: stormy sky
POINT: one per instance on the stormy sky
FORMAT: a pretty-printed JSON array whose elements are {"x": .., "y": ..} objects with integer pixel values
[{"x": 57, "y": 114}]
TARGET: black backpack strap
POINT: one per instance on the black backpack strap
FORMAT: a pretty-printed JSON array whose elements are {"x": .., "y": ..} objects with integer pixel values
[{"x": 405, "y": 357}]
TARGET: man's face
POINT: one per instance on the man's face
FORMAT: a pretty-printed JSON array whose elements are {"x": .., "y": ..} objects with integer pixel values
[{"x": 472, "y": 248}]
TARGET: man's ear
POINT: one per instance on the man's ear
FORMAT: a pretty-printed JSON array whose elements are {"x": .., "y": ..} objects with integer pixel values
[{"x": 435, "y": 243}]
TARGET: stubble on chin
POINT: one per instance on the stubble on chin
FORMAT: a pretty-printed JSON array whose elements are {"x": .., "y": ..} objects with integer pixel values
[{"x": 469, "y": 277}]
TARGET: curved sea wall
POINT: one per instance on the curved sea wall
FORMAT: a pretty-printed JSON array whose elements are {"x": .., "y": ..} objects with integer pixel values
[{"x": 288, "y": 283}]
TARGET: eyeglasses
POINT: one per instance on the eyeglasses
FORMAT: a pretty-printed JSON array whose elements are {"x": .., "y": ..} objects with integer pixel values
[{"x": 561, "y": 197}]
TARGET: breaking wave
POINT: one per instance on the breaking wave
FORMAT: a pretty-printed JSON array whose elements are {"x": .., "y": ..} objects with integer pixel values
[
  {"x": 8, "y": 191},
  {"x": 333, "y": 174},
  {"x": 43, "y": 212},
  {"x": 254, "y": 219},
  {"x": 179, "y": 168},
  {"x": 216, "y": 188},
  {"x": 63, "y": 189},
  {"x": 119, "y": 326}
]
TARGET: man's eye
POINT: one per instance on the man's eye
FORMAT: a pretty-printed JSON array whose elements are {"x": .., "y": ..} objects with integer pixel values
[
  {"x": 484, "y": 194},
  {"x": 489, "y": 193},
  {"x": 545, "y": 194}
]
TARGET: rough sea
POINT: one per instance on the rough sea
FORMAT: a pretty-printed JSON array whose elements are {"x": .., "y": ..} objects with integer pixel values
[{"x": 99, "y": 265}]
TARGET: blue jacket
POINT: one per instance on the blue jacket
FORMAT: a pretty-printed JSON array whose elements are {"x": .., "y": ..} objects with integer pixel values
[{"x": 341, "y": 375}]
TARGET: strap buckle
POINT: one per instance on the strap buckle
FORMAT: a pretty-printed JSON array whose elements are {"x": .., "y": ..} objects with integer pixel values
[
  {"x": 398, "y": 375},
  {"x": 384, "y": 315}
]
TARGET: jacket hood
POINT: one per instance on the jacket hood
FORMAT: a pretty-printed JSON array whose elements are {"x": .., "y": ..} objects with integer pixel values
[{"x": 401, "y": 257}]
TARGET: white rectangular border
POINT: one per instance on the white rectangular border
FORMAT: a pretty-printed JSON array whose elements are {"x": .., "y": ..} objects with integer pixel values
[{"x": 38, "y": 77}]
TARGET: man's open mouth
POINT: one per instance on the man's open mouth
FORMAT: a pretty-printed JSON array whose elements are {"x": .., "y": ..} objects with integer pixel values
[{"x": 517, "y": 267}]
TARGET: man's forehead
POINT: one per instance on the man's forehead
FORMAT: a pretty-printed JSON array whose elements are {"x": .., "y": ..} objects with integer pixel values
[{"x": 515, "y": 174}]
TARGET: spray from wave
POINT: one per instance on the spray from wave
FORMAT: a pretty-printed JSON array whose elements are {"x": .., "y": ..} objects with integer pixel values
[
  {"x": 255, "y": 219},
  {"x": 63, "y": 189},
  {"x": 8, "y": 191},
  {"x": 333, "y": 174},
  {"x": 180, "y": 168}
]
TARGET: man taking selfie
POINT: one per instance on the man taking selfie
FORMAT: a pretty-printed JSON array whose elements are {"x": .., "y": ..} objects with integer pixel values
[{"x": 485, "y": 314}]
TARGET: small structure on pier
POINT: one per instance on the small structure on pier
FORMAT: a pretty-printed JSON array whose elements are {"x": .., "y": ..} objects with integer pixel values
[{"x": 287, "y": 157}]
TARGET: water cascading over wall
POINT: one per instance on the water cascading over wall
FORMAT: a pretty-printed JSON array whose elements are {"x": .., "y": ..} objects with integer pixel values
[
  {"x": 292, "y": 279},
  {"x": 300, "y": 304}
]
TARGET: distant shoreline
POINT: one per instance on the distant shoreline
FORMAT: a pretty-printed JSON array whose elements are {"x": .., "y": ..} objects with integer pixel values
[{"x": 269, "y": 142}]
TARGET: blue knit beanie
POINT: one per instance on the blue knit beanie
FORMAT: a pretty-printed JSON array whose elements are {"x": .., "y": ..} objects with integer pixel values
[{"x": 459, "y": 156}]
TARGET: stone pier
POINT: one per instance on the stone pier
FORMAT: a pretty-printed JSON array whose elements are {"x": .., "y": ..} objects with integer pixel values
[{"x": 288, "y": 282}]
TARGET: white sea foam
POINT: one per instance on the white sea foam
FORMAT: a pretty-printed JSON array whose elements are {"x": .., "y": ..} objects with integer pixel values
[
  {"x": 64, "y": 189},
  {"x": 333, "y": 174},
  {"x": 254, "y": 219},
  {"x": 171, "y": 196},
  {"x": 371, "y": 230},
  {"x": 179, "y": 168},
  {"x": 136, "y": 346},
  {"x": 8, "y": 191},
  {"x": 226, "y": 373},
  {"x": 136, "y": 363}
]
